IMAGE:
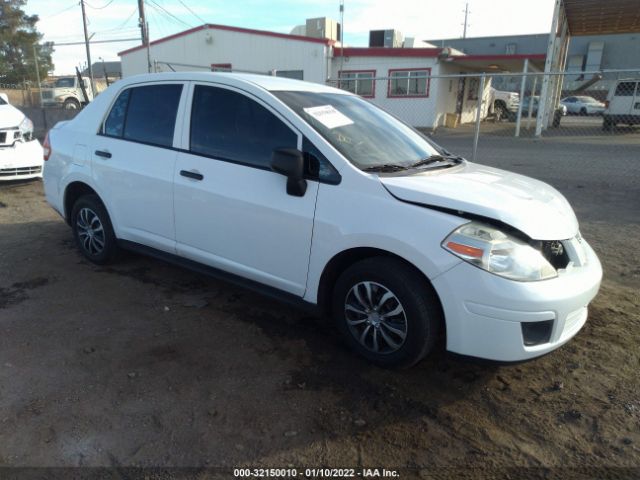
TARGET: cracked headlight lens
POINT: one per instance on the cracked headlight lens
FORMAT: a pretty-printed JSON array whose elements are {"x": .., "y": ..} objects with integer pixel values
[{"x": 495, "y": 251}]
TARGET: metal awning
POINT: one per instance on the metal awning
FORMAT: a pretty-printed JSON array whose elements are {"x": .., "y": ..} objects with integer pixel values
[
  {"x": 601, "y": 17},
  {"x": 498, "y": 63}
]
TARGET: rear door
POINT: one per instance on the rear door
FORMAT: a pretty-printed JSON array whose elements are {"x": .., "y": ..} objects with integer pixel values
[
  {"x": 622, "y": 101},
  {"x": 635, "y": 107},
  {"x": 232, "y": 212},
  {"x": 134, "y": 160}
]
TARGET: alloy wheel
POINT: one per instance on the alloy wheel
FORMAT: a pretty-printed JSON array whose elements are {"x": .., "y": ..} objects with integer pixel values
[
  {"x": 90, "y": 231},
  {"x": 375, "y": 317}
]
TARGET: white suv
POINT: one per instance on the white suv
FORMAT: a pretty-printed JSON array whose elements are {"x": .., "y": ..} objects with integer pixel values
[{"x": 315, "y": 195}]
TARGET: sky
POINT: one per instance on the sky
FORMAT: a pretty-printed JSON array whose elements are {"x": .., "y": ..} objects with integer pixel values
[{"x": 61, "y": 20}]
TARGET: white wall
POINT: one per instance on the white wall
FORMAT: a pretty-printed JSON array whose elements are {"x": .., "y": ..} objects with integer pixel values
[
  {"x": 417, "y": 111},
  {"x": 245, "y": 51}
]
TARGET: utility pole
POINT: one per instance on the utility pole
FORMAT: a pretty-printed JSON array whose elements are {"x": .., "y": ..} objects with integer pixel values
[
  {"x": 466, "y": 18},
  {"x": 341, "y": 37},
  {"x": 35, "y": 61},
  {"x": 144, "y": 32},
  {"x": 86, "y": 43}
]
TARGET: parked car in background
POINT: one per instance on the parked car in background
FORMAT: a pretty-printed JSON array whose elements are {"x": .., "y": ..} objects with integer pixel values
[
  {"x": 20, "y": 153},
  {"x": 66, "y": 92},
  {"x": 622, "y": 105},
  {"x": 315, "y": 195},
  {"x": 583, "y": 105},
  {"x": 504, "y": 104},
  {"x": 527, "y": 103}
]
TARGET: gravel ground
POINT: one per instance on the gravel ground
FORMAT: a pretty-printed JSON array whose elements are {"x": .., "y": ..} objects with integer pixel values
[{"x": 146, "y": 364}]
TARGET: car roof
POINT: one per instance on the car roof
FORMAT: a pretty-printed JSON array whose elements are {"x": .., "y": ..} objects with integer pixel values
[{"x": 267, "y": 82}]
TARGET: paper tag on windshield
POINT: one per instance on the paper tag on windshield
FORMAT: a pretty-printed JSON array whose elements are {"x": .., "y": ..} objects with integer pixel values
[{"x": 329, "y": 116}]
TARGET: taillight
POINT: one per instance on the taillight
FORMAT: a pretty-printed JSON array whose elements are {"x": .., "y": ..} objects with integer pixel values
[
  {"x": 606, "y": 104},
  {"x": 46, "y": 147}
]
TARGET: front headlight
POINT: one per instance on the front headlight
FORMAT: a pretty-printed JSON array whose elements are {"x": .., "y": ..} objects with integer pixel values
[
  {"x": 26, "y": 128},
  {"x": 498, "y": 252}
]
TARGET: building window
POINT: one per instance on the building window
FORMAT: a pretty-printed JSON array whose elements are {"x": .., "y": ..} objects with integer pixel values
[
  {"x": 409, "y": 83},
  {"x": 474, "y": 85},
  {"x": 360, "y": 82},
  {"x": 221, "y": 67},
  {"x": 511, "y": 49},
  {"x": 295, "y": 74}
]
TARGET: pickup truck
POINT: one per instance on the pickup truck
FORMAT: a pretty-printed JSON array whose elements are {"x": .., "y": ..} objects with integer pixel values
[
  {"x": 66, "y": 92},
  {"x": 504, "y": 104}
]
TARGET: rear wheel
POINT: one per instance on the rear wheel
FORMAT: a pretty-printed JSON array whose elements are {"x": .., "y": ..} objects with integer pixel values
[
  {"x": 607, "y": 124},
  {"x": 386, "y": 311},
  {"x": 583, "y": 111},
  {"x": 92, "y": 230}
]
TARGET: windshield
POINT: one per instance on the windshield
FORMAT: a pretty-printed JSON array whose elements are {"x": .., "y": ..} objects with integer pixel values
[
  {"x": 366, "y": 135},
  {"x": 2, "y": 102},
  {"x": 68, "y": 82}
]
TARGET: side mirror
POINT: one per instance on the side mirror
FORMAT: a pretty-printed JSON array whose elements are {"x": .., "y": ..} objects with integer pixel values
[
  {"x": 5, "y": 97},
  {"x": 290, "y": 163}
]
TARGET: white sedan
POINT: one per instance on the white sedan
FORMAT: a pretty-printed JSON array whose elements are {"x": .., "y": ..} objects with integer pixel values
[
  {"x": 20, "y": 154},
  {"x": 316, "y": 196},
  {"x": 583, "y": 105}
]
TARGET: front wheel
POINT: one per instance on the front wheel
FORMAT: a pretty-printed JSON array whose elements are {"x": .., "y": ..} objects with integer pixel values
[
  {"x": 92, "y": 230},
  {"x": 387, "y": 311},
  {"x": 71, "y": 104}
]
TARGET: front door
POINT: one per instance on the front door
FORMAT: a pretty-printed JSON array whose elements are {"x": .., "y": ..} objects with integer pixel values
[{"x": 231, "y": 211}]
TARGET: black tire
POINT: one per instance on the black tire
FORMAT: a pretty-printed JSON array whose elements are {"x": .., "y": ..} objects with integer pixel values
[
  {"x": 422, "y": 314},
  {"x": 71, "y": 104},
  {"x": 102, "y": 247},
  {"x": 607, "y": 124},
  {"x": 499, "y": 111},
  {"x": 583, "y": 111}
]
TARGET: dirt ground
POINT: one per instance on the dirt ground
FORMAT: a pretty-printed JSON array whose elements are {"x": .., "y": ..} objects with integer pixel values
[{"x": 146, "y": 364}]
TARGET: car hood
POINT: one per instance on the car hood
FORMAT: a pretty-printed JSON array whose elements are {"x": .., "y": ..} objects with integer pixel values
[
  {"x": 531, "y": 206},
  {"x": 10, "y": 116}
]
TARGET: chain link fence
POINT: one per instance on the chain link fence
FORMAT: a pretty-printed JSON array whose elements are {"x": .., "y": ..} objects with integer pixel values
[{"x": 588, "y": 125}]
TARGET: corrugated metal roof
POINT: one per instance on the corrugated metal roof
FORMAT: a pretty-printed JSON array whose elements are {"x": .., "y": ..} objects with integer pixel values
[{"x": 599, "y": 17}]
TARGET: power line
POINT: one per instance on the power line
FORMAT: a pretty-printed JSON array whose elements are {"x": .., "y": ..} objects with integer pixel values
[
  {"x": 114, "y": 40},
  {"x": 61, "y": 11},
  {"x": 156, "y": 5},
  {"x": 100, "y": 8},
  {"x": 192, "y": 12},
  {"x": 133, "y": 12}
]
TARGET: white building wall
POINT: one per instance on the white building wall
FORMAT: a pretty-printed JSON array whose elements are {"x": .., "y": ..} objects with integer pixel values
[
  {"x": 417, "y": 111},
  {"x": 243, "y": 50}
]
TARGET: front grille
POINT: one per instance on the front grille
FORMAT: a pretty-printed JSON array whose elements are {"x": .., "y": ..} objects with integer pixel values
[{"x": 12, "y": 172}]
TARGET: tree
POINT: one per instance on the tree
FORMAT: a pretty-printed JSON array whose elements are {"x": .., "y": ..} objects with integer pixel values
[{"x": 18, "y": 35}]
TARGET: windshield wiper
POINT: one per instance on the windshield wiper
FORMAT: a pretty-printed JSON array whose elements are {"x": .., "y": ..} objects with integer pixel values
[
  {"x": 434, "y": 159},
  {"x": 385, "y": 167}
]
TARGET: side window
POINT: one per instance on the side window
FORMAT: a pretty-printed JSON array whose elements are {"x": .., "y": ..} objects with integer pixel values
[
  {"x": 625, "y": 89},
  {"x": 114, "y": 124},
  {"x": 231, "y": 126},
  {"x": 316, "y": 164},
  {"x": 151, "y": 114}
]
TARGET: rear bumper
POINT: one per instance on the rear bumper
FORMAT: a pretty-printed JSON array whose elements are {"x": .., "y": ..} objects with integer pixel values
[
  {"x": 485, "y": 313},
  {"x": 21, "y": 161}
]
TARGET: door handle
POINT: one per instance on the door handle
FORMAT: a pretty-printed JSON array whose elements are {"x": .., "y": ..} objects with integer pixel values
[
  {"x": 193, "y": 175},
  {"x": 103, "y": 153}
]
